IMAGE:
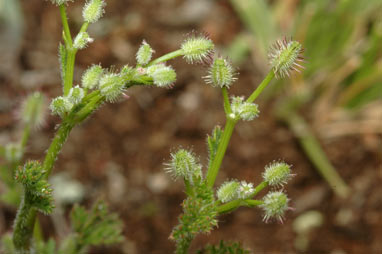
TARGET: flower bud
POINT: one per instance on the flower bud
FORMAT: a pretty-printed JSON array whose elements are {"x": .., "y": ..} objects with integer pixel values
[
  {"x": 76, "y": 94},
  {"x": 245, "y": 190},
  {"x": 228, "y": 191},
  {"x": 183, "y": 164},
  {"x": 33, "y": 109},
  {"x": 221, "y": 73},
  {"x": 144, "y": 53},
  {"x": 197, "y": 48},
  {"x": 243, "y": 110},
  {"x": 285, "y": 56},
  {"x": 91, "y": 77},
  {"x": 82, "y": 40},
  {"x": 163, "y": 76},
  {"x": 60, "y": 106},
  {"x": 93, "y": 10},
  {"x": 277, "y": 173},
  {"x": 274, "y": 206},
  {"x": 111, "y": 86}
]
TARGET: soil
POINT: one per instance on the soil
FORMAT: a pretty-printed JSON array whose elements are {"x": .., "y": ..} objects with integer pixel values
[{"x": 119, "y": 153}]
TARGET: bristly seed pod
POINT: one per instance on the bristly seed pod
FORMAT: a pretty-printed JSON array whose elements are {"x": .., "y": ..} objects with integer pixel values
[
  {"x": 93, "y": 10},
  {"x": 82, "y": 40},
  {"x": 197, "y": 48},
  {"x": 163, "y": 76},
  {"x": 144, "y": 53},
  {"x": 228, "y": 191},
  {"x": 277, "y": 173},
  {"x": 221, "y": 73},
  {"x": 274, "y": 206},
  {"x": 183, "y": 164},
  {"x": 111, "y": 86},
  {"x": 76, "y": 94},
  {"x": 91, "y": 77},
  {"x": 60, "y": 106},
  {"x": 285, "y": 57},
  {"x": 33, "y": 109},
  {"x": 241, "y": 109}
]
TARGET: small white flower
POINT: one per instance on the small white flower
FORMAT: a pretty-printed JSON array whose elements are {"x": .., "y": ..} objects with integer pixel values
[{"x": 245, "y": 190}]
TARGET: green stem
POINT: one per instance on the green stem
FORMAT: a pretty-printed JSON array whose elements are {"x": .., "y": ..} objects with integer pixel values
[
  {"x": 253, "y": 202},
  {"x": 167, "y": 57},
  {"x": 69, "y": 73},
  {"x": 56, "y": 145},
  {"x": 89, "y": 108},
  {"x": 23, "y": 229},
  {"x": 25, "y": 137},
  {"x": 233, "y": 205},
  {"x": 23, "y": 143},
  {"x": 84, "y": 27},
  {"x": 315, "y": 153},
  {"x": 227, "y": 105},
  {"x": 259, "y": 188},
  {"x": 64, "y": 19},
  {"x": 261, "y": 87},
  {"x": 223, "y": 144}
]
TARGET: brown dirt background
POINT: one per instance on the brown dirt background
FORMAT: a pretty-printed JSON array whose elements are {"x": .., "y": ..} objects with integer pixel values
[{"x": 119, "y": 153}]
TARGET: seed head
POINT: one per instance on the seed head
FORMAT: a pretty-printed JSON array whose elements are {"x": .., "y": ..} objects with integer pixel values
[
  {"x": 274, "y": 206},
  {"x": 245, "y": 190},
  {"x": 243, "y": 110},
  {"x": 285, "y": 57},
  {"x": 111, "y": 86},
  {"x": 183, "y": 164},
  {"x": 144, "y": 53},
  {"x": 221, "y": 73},
  {"x": 93, "y": 10},
  {"x": 91, "y": 77},
  {"x": 60, "y": 106},
  {"x": 277, "y": 173},
  {"x": 228, "y": 191},
  {"x": 82, "y": 40},
  {"x": 163, "y": 76},
  {"x": 33, "y": 109},
  {"x": 76, "y": 94},
  {"x": 197, "y": 48}
]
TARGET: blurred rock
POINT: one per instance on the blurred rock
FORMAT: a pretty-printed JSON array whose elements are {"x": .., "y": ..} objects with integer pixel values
[
  {"x": 158, "y": 182},
  {"x": 310, "y": 198}
]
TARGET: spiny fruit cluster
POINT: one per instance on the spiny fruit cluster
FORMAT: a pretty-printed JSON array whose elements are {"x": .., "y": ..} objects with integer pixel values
[{"x": 37, "y": 190}]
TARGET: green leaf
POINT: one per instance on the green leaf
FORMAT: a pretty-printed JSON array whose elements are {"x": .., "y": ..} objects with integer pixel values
[
  {"x": 213, "y": 143},
  {"x": 95, "y": 227},
  {"x": 224, "y": 248},
  {"x": 48, "y": 247}
]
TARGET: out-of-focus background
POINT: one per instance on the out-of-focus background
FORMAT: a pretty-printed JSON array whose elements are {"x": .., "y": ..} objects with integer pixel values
[{"x": 327, "y": 118}]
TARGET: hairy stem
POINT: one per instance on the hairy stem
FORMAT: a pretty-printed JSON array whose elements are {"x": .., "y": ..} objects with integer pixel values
[
  {"x": 227, "y": 105},
  {"x": 56, "y": 146},
  {"x": 259, "y": 188},
  {"x": 167, "y": 57},
  {"x": 261, "y": 87},
  {"x": 233, "y": 205},
  {"x": 71, "y": 58},
  {"x": 23, "y": 226},
  {"x": 64, "y": 19},
  {"x": 223, "y": 144}
]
